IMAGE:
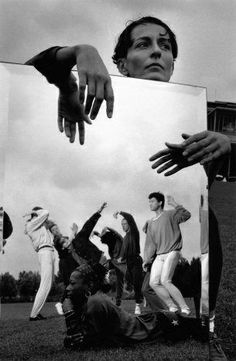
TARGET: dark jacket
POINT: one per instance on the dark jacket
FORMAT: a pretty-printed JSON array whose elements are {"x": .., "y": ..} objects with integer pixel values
[
  {"x": 131, "y": 247},
  {"x": 83, "y": 246}
]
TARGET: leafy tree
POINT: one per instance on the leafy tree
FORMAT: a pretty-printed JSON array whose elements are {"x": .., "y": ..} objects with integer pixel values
[
  {"x": 28, "y": 283},
  {"x": 8, "y": 285}
]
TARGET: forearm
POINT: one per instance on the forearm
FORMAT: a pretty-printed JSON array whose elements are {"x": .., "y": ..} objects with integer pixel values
[
  {"x": 181, "y": 214},
  {"x": 90, "y": 224},
  {"x": 55, "y": 64}
]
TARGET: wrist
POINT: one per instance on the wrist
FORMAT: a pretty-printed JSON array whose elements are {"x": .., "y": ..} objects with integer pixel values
[
  {"x": 82, "y": 49},
  {"x": 67, "y": 85}
]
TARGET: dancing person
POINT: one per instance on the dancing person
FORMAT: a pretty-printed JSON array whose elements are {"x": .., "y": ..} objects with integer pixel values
[
  {"x": 82, "y": 244},
  {"x": 92, "y": 319},
  {"x": 114, "y": 241},
  {"x": 42, "y": 241},
  {"x": 131, "y": 254},
  {"x": 151, "y": 299},
  {"x": 68, "y": 259},
  {"x": 164, "y": 243}
]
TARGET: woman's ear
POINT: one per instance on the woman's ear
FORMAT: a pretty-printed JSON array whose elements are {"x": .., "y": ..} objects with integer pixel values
[{"x": 122, "y": 67}]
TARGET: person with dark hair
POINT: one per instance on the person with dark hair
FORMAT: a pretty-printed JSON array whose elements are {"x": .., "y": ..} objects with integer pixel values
[
  {"x": 82, "y": 244},
  {"x": 6, "y": 228},
  {"x": 68, "y": 259},
  {"x": 162, "y": 250},
  {"x": 76, "y": 249},
  {"x": 114, "y": 241},
  {"x": 42, "y": 240},
  {"x": 131, "y": 254},
  {"x": 92, "y": 319}
]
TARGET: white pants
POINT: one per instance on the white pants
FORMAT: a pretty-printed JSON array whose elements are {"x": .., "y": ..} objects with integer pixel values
[
  {"x": 161, "y": 275},
  {"x": 205, "y": 284},
  {"x": 46, "y": 261}
]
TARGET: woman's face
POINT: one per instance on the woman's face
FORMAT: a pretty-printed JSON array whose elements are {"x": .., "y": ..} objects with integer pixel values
[
  {"x": 150, "y": 55},
  {"x": 77, "y": 288}
]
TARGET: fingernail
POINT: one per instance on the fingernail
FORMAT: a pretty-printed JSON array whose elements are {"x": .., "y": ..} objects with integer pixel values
[
  {"x": 185, "y": 153},
  {"x": 92, "y": 117},
  {"x": 109, "y": 115},
  {"x": 189, "y": 159}
]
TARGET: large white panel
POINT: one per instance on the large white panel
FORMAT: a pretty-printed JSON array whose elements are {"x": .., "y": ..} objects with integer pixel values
[{"x": 71, "y": 181}]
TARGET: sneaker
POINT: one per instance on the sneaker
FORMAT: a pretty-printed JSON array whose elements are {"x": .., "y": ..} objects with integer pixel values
[
  {"x": 185, "y": 311},
  {"x": 173, "y": 309},
  {"x": 215, "y": 351},
  {"x": 137, "y": 310},
  {"x": 39, "y": 317},
  {"x": 59, "y": 309}
]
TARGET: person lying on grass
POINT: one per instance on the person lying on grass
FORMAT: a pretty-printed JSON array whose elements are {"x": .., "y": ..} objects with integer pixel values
[{"x": 92, "y": 319}]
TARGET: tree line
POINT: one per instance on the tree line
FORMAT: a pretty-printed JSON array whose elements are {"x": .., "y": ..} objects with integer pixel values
[{"x": 25, "y": 287}]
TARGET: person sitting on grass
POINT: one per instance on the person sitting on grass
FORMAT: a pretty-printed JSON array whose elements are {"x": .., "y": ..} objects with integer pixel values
[{"x": 92, "y": 319}]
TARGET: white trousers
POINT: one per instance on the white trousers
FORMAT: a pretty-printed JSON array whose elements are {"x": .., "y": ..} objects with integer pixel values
[
  {"x": 205, "y": 284},
  {"x": 161, "y": 275},
  {"x": 46, "y": 261}
]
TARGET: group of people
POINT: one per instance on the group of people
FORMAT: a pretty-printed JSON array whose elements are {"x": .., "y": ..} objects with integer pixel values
[
  {"x": 161, "y": 254},
  {"x": 146, "y": 49}
]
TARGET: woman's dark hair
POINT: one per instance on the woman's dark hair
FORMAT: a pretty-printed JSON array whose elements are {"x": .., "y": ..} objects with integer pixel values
[
  {"x": 125, "y": 41},
  {"x": 158, "y": 196}
]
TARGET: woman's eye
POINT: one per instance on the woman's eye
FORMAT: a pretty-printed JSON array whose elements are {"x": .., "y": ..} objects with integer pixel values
[
  {"x": 141, "y": 45},
  {"x": 165, "y": 46}
]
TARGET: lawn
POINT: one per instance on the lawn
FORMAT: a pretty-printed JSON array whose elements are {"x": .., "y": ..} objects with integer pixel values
[
  {"x": 223, "y": 198},
  {"x": 24, "y": 340}
]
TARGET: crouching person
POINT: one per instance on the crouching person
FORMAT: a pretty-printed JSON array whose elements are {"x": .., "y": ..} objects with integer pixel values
[{"x": 92, "y": 319}]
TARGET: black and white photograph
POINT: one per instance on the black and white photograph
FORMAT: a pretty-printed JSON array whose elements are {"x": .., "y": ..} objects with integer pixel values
[{"x": 117, "y": 180}]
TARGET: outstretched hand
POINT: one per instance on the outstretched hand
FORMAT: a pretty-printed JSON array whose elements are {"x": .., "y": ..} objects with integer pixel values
[
  {"x": 104, "y": 205},
  {"x": 76, "y": 105},
  {"x": 170, "y": 158},
  {"x": 115, "y": 215},
  {"x": 206, "y": 146},
  {"x": 93, "y": 74},
  {"x": 74, "y": 228},
  {"x": 203, "y": 147},
  {"x": 71, "y": 113}
]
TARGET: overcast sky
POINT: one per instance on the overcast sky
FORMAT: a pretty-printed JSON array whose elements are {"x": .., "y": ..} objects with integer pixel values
[
  {"x": 44, "y": 169},
  {"x": 205, "y": 31},
  {"x": 207, "y": 56}
]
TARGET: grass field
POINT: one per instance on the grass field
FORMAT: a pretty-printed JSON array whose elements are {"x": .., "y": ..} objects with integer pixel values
[
  {"x": 223, "y": 198},
  {"x": 24, "y": 340}
]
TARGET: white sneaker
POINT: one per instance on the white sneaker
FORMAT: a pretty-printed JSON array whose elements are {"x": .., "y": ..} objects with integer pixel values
[
  {"x": 173, "y": 309},
  {"x": 59, "y": 309},
  {"x": 185, "y": 311},
  {"x": 137, "y": 309}
]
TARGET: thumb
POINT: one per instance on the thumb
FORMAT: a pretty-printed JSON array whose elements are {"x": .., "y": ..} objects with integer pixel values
[{"x": 185, "y": 136}]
